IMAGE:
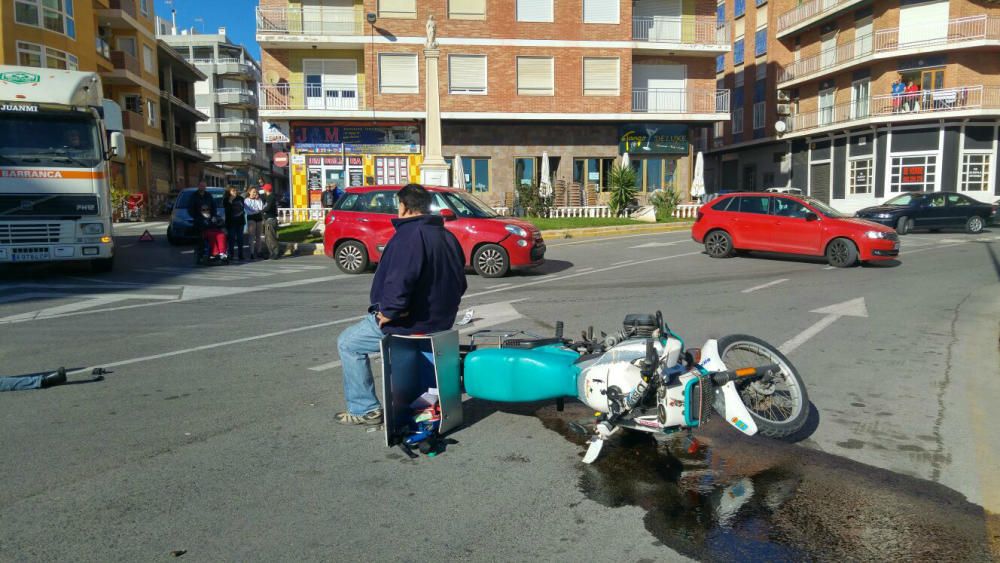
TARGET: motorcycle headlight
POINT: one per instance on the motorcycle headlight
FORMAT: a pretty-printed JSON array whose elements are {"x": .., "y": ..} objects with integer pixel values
[
  {"x": 516, "y": 231},
  {"x": 92, "y": 229},
  {"x": 877, "y": 234}
]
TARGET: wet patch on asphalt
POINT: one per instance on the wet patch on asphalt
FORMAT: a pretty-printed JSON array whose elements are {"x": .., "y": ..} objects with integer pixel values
[{"x": 732, "y": 497}]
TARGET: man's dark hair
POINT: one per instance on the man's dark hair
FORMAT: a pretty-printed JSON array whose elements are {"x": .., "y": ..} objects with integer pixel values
[{"x": 416, "y": 198}]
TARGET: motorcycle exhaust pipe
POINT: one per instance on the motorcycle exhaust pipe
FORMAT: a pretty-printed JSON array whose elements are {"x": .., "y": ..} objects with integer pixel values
[{"x": 723, "y": 377}]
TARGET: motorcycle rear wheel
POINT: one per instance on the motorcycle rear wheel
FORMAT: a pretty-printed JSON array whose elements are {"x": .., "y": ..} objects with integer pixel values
[{"x": 780, "y": 406}]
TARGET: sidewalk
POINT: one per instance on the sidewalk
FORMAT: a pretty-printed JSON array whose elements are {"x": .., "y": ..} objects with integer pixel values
[{"x": 301, "y": 249}]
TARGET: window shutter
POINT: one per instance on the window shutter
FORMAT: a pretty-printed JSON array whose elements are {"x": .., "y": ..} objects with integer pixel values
[
  {"x": 534, "y": 76},
  {"x": 397, "y": 7},
  {"x": 467, "y": 73},
  {"x": 534, "y": 10},
  {"x": 600, "y": 11},
  {"x": 600, "y": 77},
  {"x": 398, "y": 74},
  {"x": 471, "y": 9}
]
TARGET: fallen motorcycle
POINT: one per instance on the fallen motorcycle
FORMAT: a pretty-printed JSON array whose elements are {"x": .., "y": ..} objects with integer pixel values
[{"x": 642, "y": 378}]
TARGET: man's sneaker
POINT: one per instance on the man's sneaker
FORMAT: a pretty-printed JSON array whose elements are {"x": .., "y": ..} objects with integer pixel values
[{"x": 372, "y": 418}]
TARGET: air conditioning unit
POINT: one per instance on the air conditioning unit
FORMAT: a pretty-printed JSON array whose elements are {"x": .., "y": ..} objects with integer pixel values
[
  {"x": 783, "y": 96},
  {"x": 784, "y": 109}
]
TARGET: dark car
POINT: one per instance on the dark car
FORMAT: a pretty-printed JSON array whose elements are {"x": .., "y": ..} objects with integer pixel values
[
  {"x": 931, "y": 210},
  {"x": 181, "y": 227}
]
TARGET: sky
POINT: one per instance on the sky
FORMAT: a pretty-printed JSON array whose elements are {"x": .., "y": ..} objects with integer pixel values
[{"x": 237, "y": 16}]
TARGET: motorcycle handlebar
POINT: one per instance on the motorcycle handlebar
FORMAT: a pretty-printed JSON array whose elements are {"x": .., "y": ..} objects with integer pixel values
[{"x": 723, "y": 377}]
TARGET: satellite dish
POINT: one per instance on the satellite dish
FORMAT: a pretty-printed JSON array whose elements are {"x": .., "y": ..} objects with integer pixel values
[{"x": 780, "y": 127}]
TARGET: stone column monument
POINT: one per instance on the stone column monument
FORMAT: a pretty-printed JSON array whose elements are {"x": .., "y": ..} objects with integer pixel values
[{"x": 434, "y": 170}]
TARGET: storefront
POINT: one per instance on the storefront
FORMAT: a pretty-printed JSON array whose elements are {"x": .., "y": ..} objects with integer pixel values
[
  {"x": 657, "y": 152},
  {"x": 348, "y": 154}
]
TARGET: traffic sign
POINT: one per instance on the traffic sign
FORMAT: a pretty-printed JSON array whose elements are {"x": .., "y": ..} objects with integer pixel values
[
  {"x": 281, "y": 159},
  {"x": 146, "y": 236}
]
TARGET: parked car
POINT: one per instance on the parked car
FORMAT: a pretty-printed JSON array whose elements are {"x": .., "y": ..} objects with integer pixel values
[
  {"x": 181, "y": 228},
  {"x": 931, "y": 210},
  {"x": 996, "y": 213},
  {"x": 360, "y": 225},
  {"x": 790, "y": 224}
]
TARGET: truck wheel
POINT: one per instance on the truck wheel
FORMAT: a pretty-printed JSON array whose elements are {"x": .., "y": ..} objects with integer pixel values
[
  {"x": 491, "y": 261},
  {"x": 102, "y": 265}
]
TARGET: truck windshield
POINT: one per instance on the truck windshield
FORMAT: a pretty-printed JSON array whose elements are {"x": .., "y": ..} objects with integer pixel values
[{"x": 62, "y": 140}]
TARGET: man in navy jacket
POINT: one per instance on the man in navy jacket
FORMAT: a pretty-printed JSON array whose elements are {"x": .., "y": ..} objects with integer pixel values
[{"x": 417, "y": 289}]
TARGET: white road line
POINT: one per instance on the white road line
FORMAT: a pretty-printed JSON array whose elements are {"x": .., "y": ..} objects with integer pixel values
[
  {"x": 805, "y": 335},
  {"x": 622, "y": 262},
  {"x": 88, "y": 302},
  {"x": 829, "y": 268},
  {"x": 764, "y": 285},
  {"x": 584, "y": 270}
]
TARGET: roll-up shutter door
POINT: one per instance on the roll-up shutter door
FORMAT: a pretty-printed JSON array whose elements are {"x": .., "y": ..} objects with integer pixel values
[
  {"x": 819, "y": 182},
  {"x": 534, "y": 76}
]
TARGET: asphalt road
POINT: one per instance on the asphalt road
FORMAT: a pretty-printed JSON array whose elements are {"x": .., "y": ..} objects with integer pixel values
[{"x": 214, "y": 433}]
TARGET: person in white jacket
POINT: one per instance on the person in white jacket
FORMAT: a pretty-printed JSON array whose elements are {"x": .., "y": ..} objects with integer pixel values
[{"x": 253, "y": 204}]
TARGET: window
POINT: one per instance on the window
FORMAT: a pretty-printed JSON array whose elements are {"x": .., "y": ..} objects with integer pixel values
[
  {"x": 147, "y": 58},
  {"x": 592, "y": 171},
  {"x": 377, "y": 202},
  {"x": 30, "y": 54},
  {"x": 150, "y": 113},
  {"x": 600, "y": 11},
  {"x": 397, "y": 74},
  {"x": 913, "y": 173},
  {"x": 144, "y": 7},
  {"x": 53, "y": 15},
  {"x": 737, "y": 121},
  {"x": 784, "y": 207},
  {"x": 720, "y": 63},
  {"x": 726, "y": 203},
  {"x": 738, "y": 51},
  {"x": 133, "y": 103},
  {"x": 761, "y": 2},
  {"x": 718, "y": 129},
  {"x": 525, "y": 171},
  {"x": 859, "y": 176},
  {"x": 534, "y": 10},
  {"x": 739, "y": 78},
  {"x": 535, "y": 76},
  {"x": 826, "y": 106},
  {"x": 739, "y": 8},
  {"x": 720, "y": 15},
  {"x": 975, "y": 172},
  {"x": 655, "y": 173},
  {"x": 754, "y": 204},
  {"x": 127, "y": 45},
  {"x": 759, "y": 114},
  {"x": 760, "y": 42},
  {"x": 859, "y": 98},
  {"x": 600, "y": 77},
  {"x": 467, "y": 9},
  {"x": 760, "y": 71},
  {"x": 477, "y": 173},
  {"x": 467, "y": 74},
  {"x": 397, "y": 8}
]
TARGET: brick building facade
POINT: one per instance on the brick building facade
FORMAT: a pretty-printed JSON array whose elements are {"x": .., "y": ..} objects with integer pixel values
[
  {"x": 518, "y": 79},
  {"x": 826, "y": 71}
]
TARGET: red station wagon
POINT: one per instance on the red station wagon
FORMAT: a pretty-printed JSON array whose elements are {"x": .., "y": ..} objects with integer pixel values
[
  {"x": 790, "y": 225},
  {"x": 360, "y": 225}
]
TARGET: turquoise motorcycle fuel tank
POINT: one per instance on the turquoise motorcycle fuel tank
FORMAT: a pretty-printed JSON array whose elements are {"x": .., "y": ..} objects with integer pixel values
[{"x": 514, "y": 375}]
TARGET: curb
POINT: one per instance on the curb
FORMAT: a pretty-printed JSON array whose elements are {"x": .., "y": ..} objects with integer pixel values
[
  {"x": 612, "y": 231},
  {"x": 314, "y": 249}
]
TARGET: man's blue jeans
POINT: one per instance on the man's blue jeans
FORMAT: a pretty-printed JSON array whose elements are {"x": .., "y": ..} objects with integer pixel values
[
  {"x": 355, "y": 345},
  {"x": 20, "y": 383}
]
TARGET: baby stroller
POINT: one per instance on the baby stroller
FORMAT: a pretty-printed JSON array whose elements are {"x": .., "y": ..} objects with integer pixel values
[{"x": 211, "y": 250}]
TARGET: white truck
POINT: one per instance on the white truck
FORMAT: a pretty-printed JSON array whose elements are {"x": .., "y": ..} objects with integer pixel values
[{"x": 57, "y": 137}]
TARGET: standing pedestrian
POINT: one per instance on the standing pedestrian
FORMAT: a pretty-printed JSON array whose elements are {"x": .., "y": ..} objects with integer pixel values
[
  {"x": 236, "y": 221},
  {"x": 329, "y": 197},
  {"x": 270, "y": 213},
  {"x": 253, "y": 206},
  {"x": 416, "y": 290}
]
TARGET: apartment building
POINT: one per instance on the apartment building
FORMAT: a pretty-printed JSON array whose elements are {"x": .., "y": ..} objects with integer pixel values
[
  {"x": 179, "y": 163},
  {"x": 578, "y": 81},
  {"x": 112, "y": 37},
  {"x": 228, "y": 96},
  {"x": 814, "y": 108}
]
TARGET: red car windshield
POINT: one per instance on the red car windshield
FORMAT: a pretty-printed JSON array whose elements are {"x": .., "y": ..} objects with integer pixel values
[{"x": 824, "y": 208}]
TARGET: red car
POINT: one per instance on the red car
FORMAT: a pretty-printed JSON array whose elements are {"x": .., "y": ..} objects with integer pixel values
[
  {"x": 790, "y": 225},
  {"x": 360, "y": 225}
]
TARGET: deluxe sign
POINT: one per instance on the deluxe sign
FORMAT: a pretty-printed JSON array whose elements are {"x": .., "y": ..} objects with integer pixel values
[{"x": 653, "y": 138}]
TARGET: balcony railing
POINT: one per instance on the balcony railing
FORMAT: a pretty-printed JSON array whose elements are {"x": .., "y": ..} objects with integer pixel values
[
  {"x": 938, "y": 101},
  {"x": 235, "y": 96},
  {"x": 103, "y": 48},
  {"x": 973, "y": 28},
  {"x": 309, "y": 21},
  {"x": 125, "y": 61},
  {"x": 127, "y": 6},
  {"x": 226, "y": 154},
  {"x": 679, "y": 100},
  {"x": 229, "y": 126},
  {"x": 810, "y": 9},
  {"x": 297, "y": 96},
  {"x": 673, "y": 29}
]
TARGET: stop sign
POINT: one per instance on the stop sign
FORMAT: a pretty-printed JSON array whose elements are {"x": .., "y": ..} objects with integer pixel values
[{"x": 281, "y": 159}]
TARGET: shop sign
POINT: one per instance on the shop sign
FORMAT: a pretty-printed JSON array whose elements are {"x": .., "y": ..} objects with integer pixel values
[
  {"x": 333, "y": 160},
  {"x": 298, "y": 159},
  {"x": 354, "y": 139},
  {"x": 653, "y": 138},
  {"x": 975, "y": 173},
  {"x": 913, "y": 175},
  {"x": 275, "y": 132}
]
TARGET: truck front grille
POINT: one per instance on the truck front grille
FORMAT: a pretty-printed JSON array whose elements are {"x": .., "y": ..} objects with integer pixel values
[{"x": 30, "y": 233}]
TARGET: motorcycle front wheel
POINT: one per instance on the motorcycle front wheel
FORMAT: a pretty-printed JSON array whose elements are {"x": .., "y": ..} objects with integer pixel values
[{"x": 779, "y": 405}]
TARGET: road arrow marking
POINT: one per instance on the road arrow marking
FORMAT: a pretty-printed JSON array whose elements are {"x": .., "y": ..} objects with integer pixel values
[{"x": 852, "y": 308}]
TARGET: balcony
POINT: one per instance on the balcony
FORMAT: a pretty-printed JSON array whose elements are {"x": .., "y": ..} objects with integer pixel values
[
  {"x": 679, "y": 100},
  {"x": 230, "y": 127},
  {"x": 811, "y": 12},
  {"x": 309, "y": 21},
  {"x": 233, "y": 155},
  {"x": 960, "y": 101},
  {"x": 228, "y": 67},
  {"x": 236, "y": 97},
  {"x": 122, "y": 15},
  {"x": 689, "y": 31},
  {"x": 127, "y": 70},
  {"x": 299, "y": 96},
  {"x": 973, "y": 31}
]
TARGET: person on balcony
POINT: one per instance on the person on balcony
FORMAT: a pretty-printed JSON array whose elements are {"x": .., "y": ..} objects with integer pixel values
[
  {"x": 912, "y": 93},
  {"x": 897, "y": 93}
]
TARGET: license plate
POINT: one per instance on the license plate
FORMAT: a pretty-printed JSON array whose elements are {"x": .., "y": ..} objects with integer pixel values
[{"x": 30, "y": 256}]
